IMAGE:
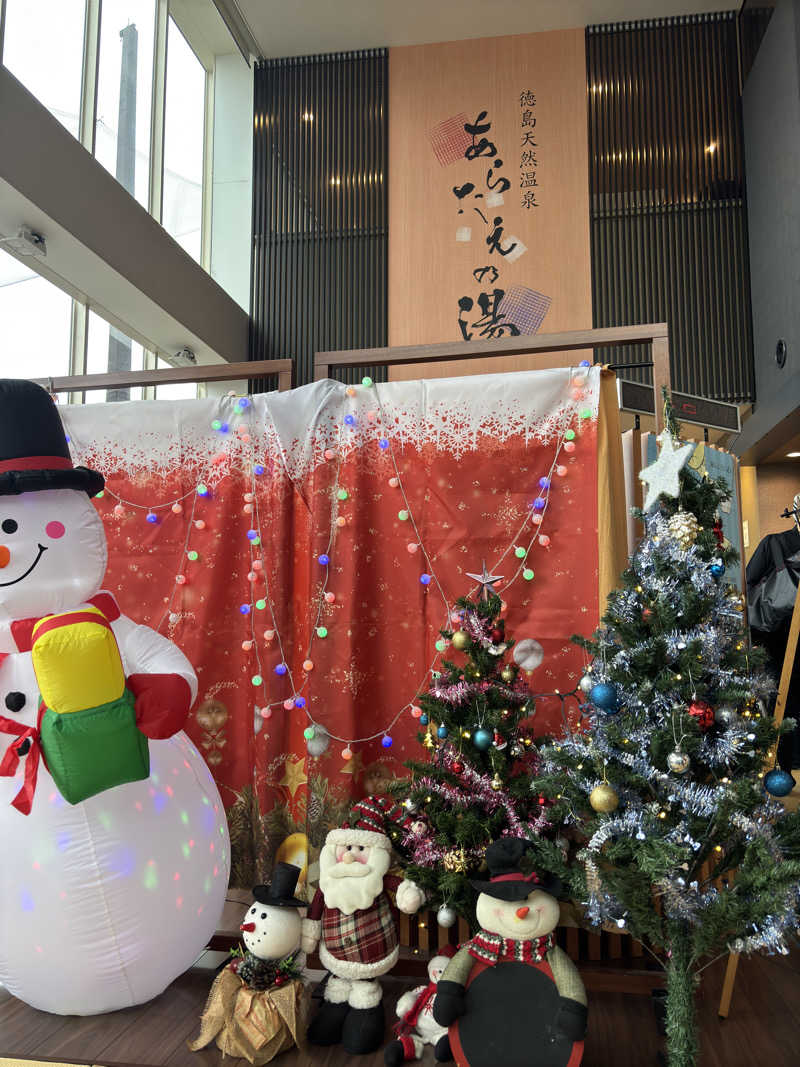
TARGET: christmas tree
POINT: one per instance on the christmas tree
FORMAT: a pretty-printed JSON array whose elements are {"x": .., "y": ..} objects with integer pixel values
[
  {"x": 476, "y": 785},
  {"x": 667, "y": 787}
]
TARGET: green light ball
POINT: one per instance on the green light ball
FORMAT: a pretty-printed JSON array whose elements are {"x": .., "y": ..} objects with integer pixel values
[
  {"x": 322, "y": 631},
  {"x": 527, "y": 574},
  {"x": 257, "y": 679}
]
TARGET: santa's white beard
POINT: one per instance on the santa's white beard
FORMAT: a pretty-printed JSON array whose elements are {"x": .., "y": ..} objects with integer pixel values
[{"x": 350, "y": 887}]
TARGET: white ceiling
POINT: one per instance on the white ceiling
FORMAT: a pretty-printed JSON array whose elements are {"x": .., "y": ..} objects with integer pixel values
[{"x": 305, "y": 27}]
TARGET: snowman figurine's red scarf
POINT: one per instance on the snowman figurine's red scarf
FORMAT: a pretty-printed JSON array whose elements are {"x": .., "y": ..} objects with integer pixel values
[
  {"x": 22, "y": 632},
  {"x": 494, "y": 948}
]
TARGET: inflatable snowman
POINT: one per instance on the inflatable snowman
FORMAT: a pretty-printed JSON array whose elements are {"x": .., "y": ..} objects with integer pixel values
[{"x": 114, "y": 841}]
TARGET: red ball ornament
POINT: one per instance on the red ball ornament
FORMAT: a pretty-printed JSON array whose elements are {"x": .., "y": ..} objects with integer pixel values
[
  {"x": 647, "y": 614},
  {"x": 458, "y": 766},
  {"x": 702, "y": 711},
  {"x": 497, "y": 635}
]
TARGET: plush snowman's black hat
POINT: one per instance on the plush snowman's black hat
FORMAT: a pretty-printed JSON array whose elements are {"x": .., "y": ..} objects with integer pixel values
[
  {"x": 506, "y": 878},
  {"x": 278, "y": 894},
  {"x": 33, "y": 447}
]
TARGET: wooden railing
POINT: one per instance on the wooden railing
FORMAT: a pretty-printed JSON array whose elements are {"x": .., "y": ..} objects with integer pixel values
[
  {"x": 205, "y": 372},
  {"x": 654, "y": 334}
]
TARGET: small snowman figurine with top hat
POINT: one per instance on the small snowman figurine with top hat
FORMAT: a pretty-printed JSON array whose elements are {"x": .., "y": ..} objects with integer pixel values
[
  {"x": 511, "y": 996},
  {"x": 258, "y": 1005},
  {"x": 271, "y": 930}
]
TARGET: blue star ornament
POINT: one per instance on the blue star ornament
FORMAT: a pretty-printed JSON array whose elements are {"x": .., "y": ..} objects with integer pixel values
[{"x": 661, "y": 477}]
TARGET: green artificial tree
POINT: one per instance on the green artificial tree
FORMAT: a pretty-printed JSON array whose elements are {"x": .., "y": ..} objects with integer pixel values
[
  {"x": 666, "y": 787},
  {"x": 476, "y": 784}
]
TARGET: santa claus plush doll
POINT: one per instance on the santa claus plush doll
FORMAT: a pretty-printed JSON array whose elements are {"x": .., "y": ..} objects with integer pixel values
[
  {"x": 352, "y": 921},
  {"x": 417, "y": 1026}
]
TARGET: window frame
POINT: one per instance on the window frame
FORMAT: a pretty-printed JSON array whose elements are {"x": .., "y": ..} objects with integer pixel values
[{"x": 86, "y": 136}]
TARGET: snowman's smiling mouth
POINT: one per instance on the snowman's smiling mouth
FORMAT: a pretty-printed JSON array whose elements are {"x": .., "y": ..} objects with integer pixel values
[{"x": 42, "y": 550}]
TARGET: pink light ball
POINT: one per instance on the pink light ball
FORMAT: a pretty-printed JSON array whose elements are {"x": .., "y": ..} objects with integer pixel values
[
  {"x": 537, "y": 519},
  {"x": 247, "y": 509},
  {"x": 416, "y": 712},
  {"x": 412, "y": 547},
  {"x": 266, "y": 713},
  {"x": 308, "y": 665},
  {"x": 258, "y": 565},
  {"x": 248, "y": 498},
  {"x": 288, "y": 704},
  {"x": 199, "y": 524},
  {"x": 252, "y": 576},
  {"x": 177, "y": 509},
  {"x": 544, "y": 540},
  {"x": 576, "y": 394},
  {"x": 269, "y": 635},
  {"x": 341, "y": 521},
  {"x": 330, "y": 598},
  {"x": 246, "y": 646},
  {"x": 119, "y": 511},
  {"x": 561, "y": 471},
  {"x": 245, "y": 438},
  {"x": 180, "y": 579},
  {"x": 394, "y": 482},
  {"x": 329, "y": 453},
  {"x": 372, "y": 416},
  {"x": 569, "y": 446}
]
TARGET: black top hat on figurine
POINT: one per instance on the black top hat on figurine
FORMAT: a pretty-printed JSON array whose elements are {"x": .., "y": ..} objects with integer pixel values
[
  {"x": 278, "y": 894},
  {"x": 507, "y": 881},
  {"x": 34, "y": 454}
]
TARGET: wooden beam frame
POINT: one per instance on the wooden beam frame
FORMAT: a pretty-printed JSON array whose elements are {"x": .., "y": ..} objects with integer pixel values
[
  {"x": 654, "y": 334},
  {"x": 207, "y": 372}
]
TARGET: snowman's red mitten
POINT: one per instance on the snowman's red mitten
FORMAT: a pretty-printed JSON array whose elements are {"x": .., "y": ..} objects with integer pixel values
[
  {"x": 448, "y": 1004},
  {"x": 162, "y": 703},
  {"x": 571, "y": 1019}
]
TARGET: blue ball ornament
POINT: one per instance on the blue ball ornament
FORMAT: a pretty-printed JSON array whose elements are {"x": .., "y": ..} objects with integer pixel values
[
  {"x": 442, "y": 732},
  {"x": 424, "y": 720},
  {"x": 386, "y": 741},
  {"x": 481, "y": 739},
  {"x": 779, "y": 783},
  {"x": 604, "y": 696},
  {"x": 717, "y": 569}
]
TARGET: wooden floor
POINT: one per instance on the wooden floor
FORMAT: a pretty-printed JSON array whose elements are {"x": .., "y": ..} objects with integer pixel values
[{"x": 763, "y": 1028}]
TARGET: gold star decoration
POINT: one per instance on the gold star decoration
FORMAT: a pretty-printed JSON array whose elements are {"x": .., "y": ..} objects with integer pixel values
[{"x": 294, "y": 774}]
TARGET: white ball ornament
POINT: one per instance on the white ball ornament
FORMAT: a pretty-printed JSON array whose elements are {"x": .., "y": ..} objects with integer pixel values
[
  {"x": 678, "y": 762},
  {"x": 318, "y": 744},
  {"x": 586, "y": 683},
  {"x": 528, "y": 654},
  {"x": 445, "y": 916}
]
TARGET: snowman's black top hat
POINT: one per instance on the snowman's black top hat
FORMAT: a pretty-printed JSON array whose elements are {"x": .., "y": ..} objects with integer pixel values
[
  {"x": 506, "y": 878},
  {"x": 33, "y": 447},
  {"x": 278, "y": 894}
]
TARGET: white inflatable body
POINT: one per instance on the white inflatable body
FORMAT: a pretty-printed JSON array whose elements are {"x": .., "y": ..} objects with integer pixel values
[{"x": 104, "y": 903}]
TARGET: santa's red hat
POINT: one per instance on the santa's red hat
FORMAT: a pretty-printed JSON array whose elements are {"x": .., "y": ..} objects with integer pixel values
[{"x": 369, "y": 821}]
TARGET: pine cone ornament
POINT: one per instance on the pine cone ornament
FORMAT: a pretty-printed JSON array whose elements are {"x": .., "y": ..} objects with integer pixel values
[{"x": 683, "y": 528}]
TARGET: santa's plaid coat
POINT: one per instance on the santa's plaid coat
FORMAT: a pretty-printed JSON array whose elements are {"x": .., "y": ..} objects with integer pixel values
[{"x": 361, "y": 945}]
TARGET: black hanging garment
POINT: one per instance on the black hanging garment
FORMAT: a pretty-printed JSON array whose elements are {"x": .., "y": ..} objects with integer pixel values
[{"x": 773, "y": 574}]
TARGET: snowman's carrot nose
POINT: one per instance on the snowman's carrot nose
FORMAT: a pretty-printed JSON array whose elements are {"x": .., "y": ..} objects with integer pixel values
[
  {"x": 248, "y": 927},
  {"x": 522, "y": 912},
  {"x": 5, "y": 556}
]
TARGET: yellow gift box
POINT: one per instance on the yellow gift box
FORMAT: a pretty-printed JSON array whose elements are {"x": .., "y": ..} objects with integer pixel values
[{"x": 77, "y": 661}]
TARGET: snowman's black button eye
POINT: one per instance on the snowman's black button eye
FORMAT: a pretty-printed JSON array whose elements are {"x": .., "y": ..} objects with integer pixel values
[
  {"x": 252, "y": 911},
  {"x": 9, "y": 526},
  {"x": 360, "y": 848},
  {"x": 349, "y": 848},
  {"x": 263, "y": 915}
]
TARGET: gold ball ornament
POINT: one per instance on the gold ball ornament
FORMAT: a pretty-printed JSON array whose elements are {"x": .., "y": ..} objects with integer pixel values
[
  {"x": 497, "y": 783},
  {"x": 604, "y": 798},
  {"x": 455, "y": 861},
  {"x": 461, "y": 640},
  {"x": 507, "y": 673},
  {"x": 683, "y": 528}
]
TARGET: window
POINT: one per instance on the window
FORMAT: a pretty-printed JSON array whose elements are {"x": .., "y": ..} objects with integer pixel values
[
  {"x": 35, "y": 323},
  {"x": 124, "y": 92},
  {"x": 108, "y": 349},
  {"x": 43, "y": 48},
  {"x": 184, "y": 134},
  {"x": 178, "y": 391}
]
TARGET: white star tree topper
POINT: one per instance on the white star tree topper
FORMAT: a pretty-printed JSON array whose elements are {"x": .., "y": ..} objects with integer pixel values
[{"x": 661, "y": 477}]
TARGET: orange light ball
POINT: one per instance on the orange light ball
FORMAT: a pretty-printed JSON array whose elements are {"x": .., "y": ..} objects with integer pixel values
[
  {"x": 329, "y": 453},
  {"x": 537, "y": 519},
  {"x": 248, "y": 498},
  {"x": 561, "y": 471},
  {"x": 544, "y": 540},
  {"x": 177, "y": 509},
  {"x": 308, "y": 665},
  {"x": 576, "y": 394},
  {"x": 416, "y": 712},
  {"x": 199, "y": 524},
  {"x": 412, "y": 547},
  {"x": 245, "y": 438},
  {"x": 247, "y": 509},
  {"x": 347, "y": 753},
  {"x": 119, "y": 511},
  {"x": 350, "y": 391},
  {"x": 246, "y": 646},
  {"x": 269, "y": 635},
  {"x": 341, "y": 520},
  {"x": 330, "y": 597}
]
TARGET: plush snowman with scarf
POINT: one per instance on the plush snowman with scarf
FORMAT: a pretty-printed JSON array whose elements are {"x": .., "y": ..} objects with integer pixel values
[
  {"x": 417, "y": 1026},
  {"x": 88, "y": 699},
  {"x": 511, "y": 996}
]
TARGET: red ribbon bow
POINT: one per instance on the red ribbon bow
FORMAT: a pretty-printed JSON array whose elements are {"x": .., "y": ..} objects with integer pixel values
[{"x": 23, "y": 801}]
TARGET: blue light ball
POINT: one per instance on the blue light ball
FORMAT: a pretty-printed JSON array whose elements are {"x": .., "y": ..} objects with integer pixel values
[
  {"x": 539, "y": 503},
  {"x": 383, "y": 443},
  {"x": 544, "y": 483},
  {"x": 717, "y": 569},
  {"x": 324, "y": 559},
  {"x": 442, "y": 732},
  {"x": 258, "y": 468},
  {"x": 252, "y": 535},
  {"x": 151, "y": 517},
  {"x": 244, "y": 609},
  {"x": 281, "y": 669},
  {"x": 584, "y": 363},
  {"x": 243, "y": 402},
  {"x": 779, "y": 783},
  {"x": 481, "y": 739},
  {"x": 425, "y": 579},
  {"x": 350, "y": 420},
  {"x": 386, "y": 741},
  {"x": 424, "y": 720},
  {"x": 224, "y": 428},
  {"x": 300, "y": 702},
  {"x": 604, "y": 696}
]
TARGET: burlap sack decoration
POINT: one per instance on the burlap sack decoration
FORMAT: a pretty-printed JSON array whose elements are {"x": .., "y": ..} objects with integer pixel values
[{"x": 253, "y": 1024}]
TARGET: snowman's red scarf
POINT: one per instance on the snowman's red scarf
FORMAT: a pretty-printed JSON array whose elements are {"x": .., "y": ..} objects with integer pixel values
[
  {"x": 494, "y": 948},
  {"x": 22, "y": 632}
]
